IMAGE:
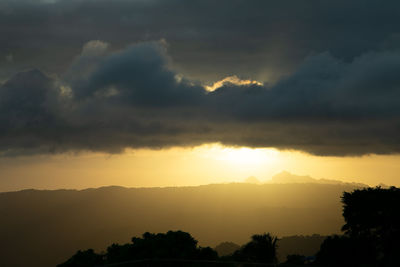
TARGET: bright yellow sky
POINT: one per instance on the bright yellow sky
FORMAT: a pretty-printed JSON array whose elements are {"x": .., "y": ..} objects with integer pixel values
[{"x": 206, "y": 164}]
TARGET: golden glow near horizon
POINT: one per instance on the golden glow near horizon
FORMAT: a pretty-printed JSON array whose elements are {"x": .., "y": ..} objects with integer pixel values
[
  {"x": 206, "y": 164},
  {"x": 239, "y": 156}
]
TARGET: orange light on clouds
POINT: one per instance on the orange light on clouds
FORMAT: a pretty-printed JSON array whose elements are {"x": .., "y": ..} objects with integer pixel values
[{"x": 232, "y": 80}]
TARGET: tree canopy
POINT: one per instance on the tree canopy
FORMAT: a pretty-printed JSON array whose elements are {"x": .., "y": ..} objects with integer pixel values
[
  {"x": 261, "y": 248},
  {"x": 175, "y": 246},
  {"x": 371, "y": 230}
]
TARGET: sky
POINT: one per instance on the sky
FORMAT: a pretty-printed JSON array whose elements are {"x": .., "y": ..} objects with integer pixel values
[{"x": 169, "y": 93}]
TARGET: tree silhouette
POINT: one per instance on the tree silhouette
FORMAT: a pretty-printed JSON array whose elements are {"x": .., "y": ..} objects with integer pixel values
[
  {"x": 372, "y": 230},
  {"x": 346, "y": 251},
  {"x": 118, "y": 253},
  {"x": 207, "y": 253},
  {"x": 261, "y": 248},
  {"x": 373, "y": 215},
  {"x": 173, "y": 245}
]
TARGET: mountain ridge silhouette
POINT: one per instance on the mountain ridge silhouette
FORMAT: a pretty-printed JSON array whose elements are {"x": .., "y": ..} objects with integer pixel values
[{"x": 286, "y": 177}]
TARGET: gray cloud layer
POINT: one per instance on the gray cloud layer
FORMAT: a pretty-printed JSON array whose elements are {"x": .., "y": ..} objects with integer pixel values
[
  {"x": 208, "y": 39},
  {"x": 110, "y": 100}
]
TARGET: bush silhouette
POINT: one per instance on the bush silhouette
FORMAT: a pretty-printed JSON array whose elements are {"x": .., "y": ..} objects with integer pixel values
[
  {"x": 207, "y": 253},
  {"x": 295, "y": 259},
  {"x": 346, "y": 251},
  {"x": 176, "y": 245},
  {"x": 119, "y": 253},
  {"x": 261, "y": 248},
  {"x": 171, "y": 248},
  {"x": 83, "y": 259},
  {"x": 173, "y": 245}
]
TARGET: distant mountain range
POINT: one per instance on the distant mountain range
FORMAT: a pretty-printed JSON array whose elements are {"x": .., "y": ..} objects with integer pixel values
[
  {"x": 45, "y": 227},
  {"x": 288, "y": 178}
]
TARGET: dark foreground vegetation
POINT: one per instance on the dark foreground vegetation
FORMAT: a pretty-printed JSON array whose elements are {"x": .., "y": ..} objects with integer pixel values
[
  {"x": 371, "y": 232},
  {"x": 175, "y": 248},
  {"x": 371, "y": 238}
]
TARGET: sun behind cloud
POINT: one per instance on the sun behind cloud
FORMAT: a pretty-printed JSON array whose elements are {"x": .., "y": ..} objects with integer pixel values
[{"x": 240, "y": 156}]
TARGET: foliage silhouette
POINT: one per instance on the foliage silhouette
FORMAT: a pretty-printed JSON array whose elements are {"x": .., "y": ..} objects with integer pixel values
[
  {"x": 295, "y": 259},
  {"x": 175, "y": 247},
  {"x": 118, "y": 253},
  {"x": 374, "y": 215},
  {"x": 371, "y": 230},
  {"x": 346, "y": 251},
  {"x": 261, "y": 248},
  {"x": 171, "y": 245},
  {"x": 179, "y": 245}
]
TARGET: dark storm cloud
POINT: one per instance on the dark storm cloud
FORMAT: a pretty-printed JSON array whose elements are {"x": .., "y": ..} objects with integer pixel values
[
  {"x": 139, "y": 76},
  {"x": 330, "y": 71},
  {"x": 110, "y": 100},
  {"x": 208, "y": 39}
]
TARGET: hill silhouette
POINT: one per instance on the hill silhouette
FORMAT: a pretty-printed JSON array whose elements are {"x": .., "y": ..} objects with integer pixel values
[
  {"x": 289, "y": 178},
  {"x": 226, "y": 248},
  {"x": 46, "y": 227}
]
